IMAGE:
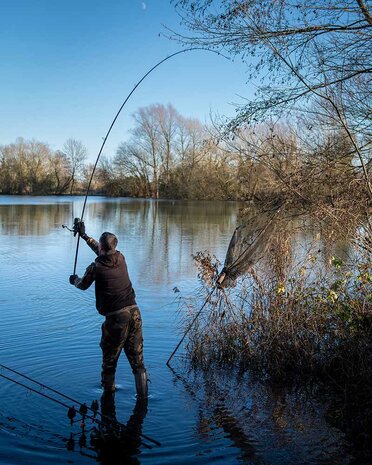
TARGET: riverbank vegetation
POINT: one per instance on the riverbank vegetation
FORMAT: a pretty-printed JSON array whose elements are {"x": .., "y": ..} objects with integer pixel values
[
  {"x": 295, "y": 315},
  {"x": 303, "y": 146},
  {"x": 301, "y": 315},
  {"x": 290, "y": 316}
]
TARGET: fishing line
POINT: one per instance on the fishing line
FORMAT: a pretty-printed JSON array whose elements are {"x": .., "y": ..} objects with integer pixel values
[{"x": 114, "y": 121}]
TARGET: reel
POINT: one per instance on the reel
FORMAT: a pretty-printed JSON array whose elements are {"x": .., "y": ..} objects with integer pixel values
[{"x": 75, "y": 226}]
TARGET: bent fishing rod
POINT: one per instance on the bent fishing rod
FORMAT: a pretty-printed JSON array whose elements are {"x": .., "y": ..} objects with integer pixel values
[
  {"x": 113, "y": 123},
  {"x": 84, "y": 408}
]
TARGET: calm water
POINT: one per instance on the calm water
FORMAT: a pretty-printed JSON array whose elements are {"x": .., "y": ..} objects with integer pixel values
[{"x": 50, "y": 331}]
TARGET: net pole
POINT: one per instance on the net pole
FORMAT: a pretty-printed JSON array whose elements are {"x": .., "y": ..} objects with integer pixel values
[{"x": 191, "y": 325}]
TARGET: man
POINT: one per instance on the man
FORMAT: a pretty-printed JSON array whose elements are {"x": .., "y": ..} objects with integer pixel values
[{"x": 115, "y": 299}]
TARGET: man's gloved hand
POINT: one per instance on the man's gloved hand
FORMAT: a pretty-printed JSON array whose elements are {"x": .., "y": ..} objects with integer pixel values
[
  {"x": 79, "y": 227},
  {"x": 73, "y": 278}
]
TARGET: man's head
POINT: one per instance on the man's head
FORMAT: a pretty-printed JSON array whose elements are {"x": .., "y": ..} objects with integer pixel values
[{"x": 107, "y": 243}]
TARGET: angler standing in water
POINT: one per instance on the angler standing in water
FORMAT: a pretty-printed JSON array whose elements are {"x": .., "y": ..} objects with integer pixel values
[{"x": 115, "y": 300}]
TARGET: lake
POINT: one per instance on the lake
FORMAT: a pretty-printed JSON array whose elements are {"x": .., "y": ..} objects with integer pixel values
[{"x": 50, "y": 331}]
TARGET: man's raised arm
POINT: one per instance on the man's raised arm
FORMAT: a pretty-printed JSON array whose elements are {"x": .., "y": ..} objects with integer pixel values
[{"x": 93, "y": 244}]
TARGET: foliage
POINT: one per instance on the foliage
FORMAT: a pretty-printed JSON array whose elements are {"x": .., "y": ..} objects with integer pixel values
[
  {"x": 171, "y": 156},
  {"x": 297, "y": 321}
]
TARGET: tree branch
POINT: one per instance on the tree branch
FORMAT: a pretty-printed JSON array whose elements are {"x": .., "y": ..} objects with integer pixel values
[{"x": 365, "y": 11}]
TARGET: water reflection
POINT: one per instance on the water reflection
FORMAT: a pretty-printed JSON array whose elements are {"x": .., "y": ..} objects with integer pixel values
[
  {"x": 32, "y": 220},
  {"x": 139, "y": 215},
  {"x": 112, "y": 444},
  {"x": 231, "y": 420},
  {"x": 269, "y": 424},
  {"x": 166, "y": 232},
  {"x": 159, "y": 236}
]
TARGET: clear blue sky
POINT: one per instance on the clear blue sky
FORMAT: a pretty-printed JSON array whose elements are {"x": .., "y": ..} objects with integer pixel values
[{"x": 66, "y": 66}]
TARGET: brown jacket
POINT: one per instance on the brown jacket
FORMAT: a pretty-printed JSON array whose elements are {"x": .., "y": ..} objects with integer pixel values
[{"x": 112, "y": 284}]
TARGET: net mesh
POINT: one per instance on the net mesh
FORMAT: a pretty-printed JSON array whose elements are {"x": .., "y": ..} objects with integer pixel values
[{"x": 248, "y": 245}]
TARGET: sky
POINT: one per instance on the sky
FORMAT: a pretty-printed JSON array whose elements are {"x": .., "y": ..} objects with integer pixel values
[{"x": 66, "y": 67}]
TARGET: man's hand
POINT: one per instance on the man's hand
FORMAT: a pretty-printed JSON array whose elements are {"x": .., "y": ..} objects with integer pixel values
[
  {"x": 79, "y": 227},
  {"x": 73, "y": 278}
]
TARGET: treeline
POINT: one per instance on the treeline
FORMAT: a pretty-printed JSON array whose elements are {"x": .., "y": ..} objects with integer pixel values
[
  {"x": 31, "y": 167},
  {"x": 171, "y": 156}
]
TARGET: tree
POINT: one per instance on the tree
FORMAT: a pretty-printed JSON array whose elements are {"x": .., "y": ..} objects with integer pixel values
[
  {"x": 132, "y": 162},
  {"x": 167, "y": 118},
  {"x": 190, "y": 146},
  {"x": 26, "y": 167},
  {"x": 147, "y": 136},
  {"x": 160, "y": 138},
  {"x": 164, "y": 151},
  {"x": 76, "y": 155},
  {"x": 302, "y": 52},
  {"x": 62, "y": 172}
]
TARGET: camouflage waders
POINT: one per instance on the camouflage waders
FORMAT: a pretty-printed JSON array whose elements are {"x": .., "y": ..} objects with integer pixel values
[{"x": 122, "y": 329}]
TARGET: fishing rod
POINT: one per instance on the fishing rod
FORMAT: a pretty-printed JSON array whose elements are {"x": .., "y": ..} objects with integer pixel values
[
  {"x": 40, "y": 384},
  {"x": 84, "y": 408},
  {"x": 82, "y": 411},
  {"x": 112, "y": 125}
]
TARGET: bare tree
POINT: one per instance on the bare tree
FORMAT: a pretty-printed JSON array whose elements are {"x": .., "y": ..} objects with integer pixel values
[
  {"x": 167, "y": 118},
  {"x": 147, "y": 137},
  {"x": 76, "y": 154},
  {"x": 62, "y": 172},
  {"x": 131, "y": 161},
  {"x": 303, "y": 52},
  {"x": 190, "y": 146}
]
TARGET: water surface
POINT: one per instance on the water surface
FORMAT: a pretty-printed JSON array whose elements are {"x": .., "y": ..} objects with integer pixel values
[{"x": 51, "y": 330}]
